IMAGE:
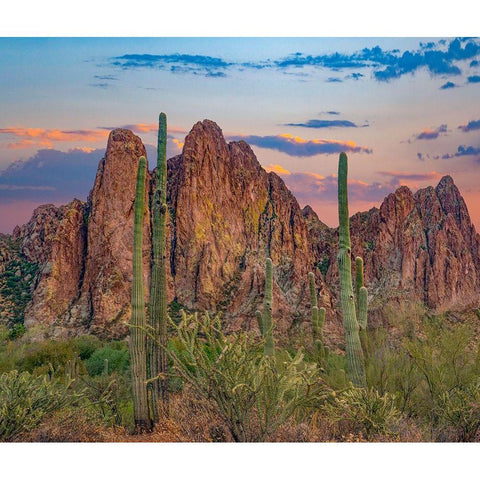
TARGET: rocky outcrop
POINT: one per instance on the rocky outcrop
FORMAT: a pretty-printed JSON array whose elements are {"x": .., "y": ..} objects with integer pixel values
[
  {"x": 61, "y": 271},
  {"x": 416, "y": 247},
  {"x": 226, "y": 216},
  {"x": 104, "y": 303}
]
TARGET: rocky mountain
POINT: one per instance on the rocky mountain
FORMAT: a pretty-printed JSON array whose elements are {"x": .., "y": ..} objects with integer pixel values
[{"x": 226, "y": 215}]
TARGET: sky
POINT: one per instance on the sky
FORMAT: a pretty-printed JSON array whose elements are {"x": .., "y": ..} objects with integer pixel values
[{"x": 405, "y": 110}]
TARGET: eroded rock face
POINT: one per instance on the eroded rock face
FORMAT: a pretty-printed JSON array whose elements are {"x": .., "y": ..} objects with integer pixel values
[
  {"x": 228, "y": 216},
  {"x": 61, "y": 275},
  {"x": 104, "y": 304},
  {"x": 417, "y": 247}
]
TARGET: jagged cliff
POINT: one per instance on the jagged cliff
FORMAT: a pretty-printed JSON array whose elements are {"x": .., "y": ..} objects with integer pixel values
[{"x": 226, "y": 215}]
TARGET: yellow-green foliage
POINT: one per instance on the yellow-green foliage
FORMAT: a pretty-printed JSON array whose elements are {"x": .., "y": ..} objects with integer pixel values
[
  {"x": 254, "y": 394},
  {"x": 25, "y": 400}
]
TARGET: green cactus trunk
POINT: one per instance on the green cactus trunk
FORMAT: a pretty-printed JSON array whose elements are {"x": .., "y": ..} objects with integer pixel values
[
  {"x": 355, "y": 358},
  {"x": 158, "y": 362},
  {"x": 258, "y": 314},
  {"x": 138, "y": 322},
  {"x": 316, "y": 327},
  {"x": 362, "y": 308},
  {"x": 269, "y": 348},
  {"x": 358, "y": 277}
]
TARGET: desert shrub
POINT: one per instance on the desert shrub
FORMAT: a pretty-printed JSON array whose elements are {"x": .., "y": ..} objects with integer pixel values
[
  {"x": 446, "y": 362},
  {"x": 25, "y": 400},
  {"x": 48, "y": 356},
  {"x": 86, "y": 345},
  {"x": 110, "y": 396},
  {"x": 254, "y": 394},
  {"x": 458, "y": 413},
  {"x": 368, "y": 411},
  {"x": 113, "y": 357}
]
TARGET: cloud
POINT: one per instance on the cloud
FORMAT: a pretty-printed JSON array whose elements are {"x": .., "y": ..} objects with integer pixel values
[
  {"x": 472, "y": 125},
  {"x": 429, "y": 134},
  {"x": 315, "y": 123},
  {"x": 103, "y": 85},
  {"x": 50, "y": 176},
  {"x": 388, "y": 65},
  {"x": 176, "y": 63},
  {"x": 311, "y": 188},
  {"x": 140, "y": 128},
  {"x": 448, "y": 85},
  {"x": 355, "y": 75},
  {"x": 463, "y": 151},
  {"x": 105, "y": 77},
  {"x": 42, "y": 137},
  {"x": 398, "y": 176},
  {"x": 178, "y": 143},
  {"x": 439, "y": 58},
  {"x": 299, "y": 147},
  {"x": 474, "y": 79},
  {"x": 334, "y": 80},
  {"x": 278, "y": 169}
]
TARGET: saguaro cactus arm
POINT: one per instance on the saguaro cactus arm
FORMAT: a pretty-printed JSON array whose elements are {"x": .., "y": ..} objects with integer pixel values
[{"x": 358, "y": 277}]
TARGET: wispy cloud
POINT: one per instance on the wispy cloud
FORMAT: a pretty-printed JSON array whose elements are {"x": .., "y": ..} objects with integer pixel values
[
  {"x": 439, "y": 58},
  {"x": 472, "y": 125},
  {"x": 448, "y": 85},
  {"x": 474, "y": 79},
  {"x": 399, "y": 176},
  {"x": 429, "y": 134},
  {"x": 42, "y": 137},
  {"x": 175, "y": 63},
  {"x": 462, "y": 151},
  {"x": 139, "y": 128},
  {"x": 299, "y": 147},
  {"x": 311, "y": 188},
  {"x": 278, "y": 169},
  {"x": 317, "y": 123},
  {"x": 388, "y": 65},
  {"x": 105, "y": 77}
]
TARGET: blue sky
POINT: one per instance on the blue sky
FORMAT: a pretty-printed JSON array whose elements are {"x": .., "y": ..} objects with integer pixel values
[{"x": 406, "y": 110}]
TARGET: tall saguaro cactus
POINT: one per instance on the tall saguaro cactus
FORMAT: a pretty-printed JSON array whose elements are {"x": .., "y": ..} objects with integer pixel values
[
  {"x": 158, "y": 361},
  {"x": 138, "y": 320},
  {"x": 267, "y": 317},
  {"x": 355, "y": 358}
]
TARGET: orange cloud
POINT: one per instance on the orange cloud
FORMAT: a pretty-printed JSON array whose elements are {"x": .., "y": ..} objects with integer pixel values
[
  {"x": 46, "y": 137},
  {"x": 299, "y": 147},
  {"x": 178, "y": 143},
  {"x": 277, "y": 169}
]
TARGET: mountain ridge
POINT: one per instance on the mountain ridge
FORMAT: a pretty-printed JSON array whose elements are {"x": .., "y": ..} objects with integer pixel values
[{"x": 226, "y": 216}]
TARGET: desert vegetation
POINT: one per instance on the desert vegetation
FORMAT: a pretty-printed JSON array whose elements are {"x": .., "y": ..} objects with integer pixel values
[{"x": 182, "y": 378}]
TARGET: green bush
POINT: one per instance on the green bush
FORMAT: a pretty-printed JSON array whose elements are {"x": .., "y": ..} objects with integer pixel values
[
  {"x": 25, "y": 400},
  {"x": 459, "y": 411},
  {"x": 86, "y": 345},
  {"x": 48, "y": 356},
  {"x": 113, "y": 357},
  {"x": 366, "y": 409},
  {"x": 254, "y": 394}
]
